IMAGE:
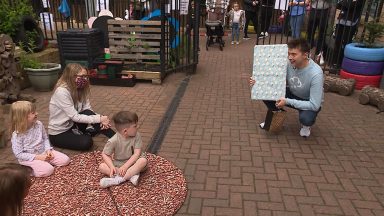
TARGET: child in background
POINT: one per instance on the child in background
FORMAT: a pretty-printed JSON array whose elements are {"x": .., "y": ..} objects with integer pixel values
[
  {"x": 15, "y": 181},
  {"x": 122, "y": 154},
  {"x": 30, "y": 142},
  {"x": 236, "y": 22}
]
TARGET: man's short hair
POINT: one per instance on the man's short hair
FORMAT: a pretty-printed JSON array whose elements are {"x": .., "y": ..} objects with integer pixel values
[
  {"x": 123, "y": 119},
  {"x": 300, "y": 44}
]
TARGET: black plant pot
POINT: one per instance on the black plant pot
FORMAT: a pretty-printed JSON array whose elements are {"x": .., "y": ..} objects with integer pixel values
[{"x": 28, "y": 24}]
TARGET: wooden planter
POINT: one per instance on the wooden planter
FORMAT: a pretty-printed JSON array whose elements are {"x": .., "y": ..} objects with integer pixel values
[{"x": 137, "y": 43}]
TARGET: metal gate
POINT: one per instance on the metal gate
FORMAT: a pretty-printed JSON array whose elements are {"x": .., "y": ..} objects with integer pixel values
[
  {"x": 328, "y": 25},
  {"x": 179, "y": 37}
]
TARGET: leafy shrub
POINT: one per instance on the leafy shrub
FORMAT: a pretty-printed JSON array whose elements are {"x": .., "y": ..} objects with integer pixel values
[{"x": 11, "y": 15}]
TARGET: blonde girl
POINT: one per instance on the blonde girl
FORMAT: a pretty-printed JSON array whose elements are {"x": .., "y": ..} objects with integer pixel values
[
  {"x": 72, "y": 122},
  {"x": 30, "y": 142}
]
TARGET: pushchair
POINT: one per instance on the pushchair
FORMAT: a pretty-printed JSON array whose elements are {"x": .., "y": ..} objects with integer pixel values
[{"x": 215, "y": 28}]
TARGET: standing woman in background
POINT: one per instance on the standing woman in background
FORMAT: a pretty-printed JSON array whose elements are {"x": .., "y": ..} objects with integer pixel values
[
  {"x": 266, "y": 17},
  {"x": 346, "y": 27},
  {"x": 297, "y": 12},
  {"x": 251, "y": 8},
  {"x": 318, "y": 19}
]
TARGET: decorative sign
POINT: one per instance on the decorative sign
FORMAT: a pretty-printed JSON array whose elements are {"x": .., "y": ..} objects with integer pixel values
[
  {"x": 184, "y": 7},
  {"x": 103, "y": 4},
  {"x": 281, "y": 5},
  {"x": 45, "y": 3},
  {"x": 47, "y": 21},
  {"x": 269, "y": 71}
]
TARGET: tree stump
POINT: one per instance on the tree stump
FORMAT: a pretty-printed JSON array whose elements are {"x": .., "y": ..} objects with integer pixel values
[
  {"x": 341, "y": 86},
  {"x": 372, "y": 95},
  {"x": 9, "y": 76}
]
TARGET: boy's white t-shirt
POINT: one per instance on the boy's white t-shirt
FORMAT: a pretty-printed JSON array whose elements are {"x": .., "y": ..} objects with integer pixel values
[{"x": 236, "y": 16}]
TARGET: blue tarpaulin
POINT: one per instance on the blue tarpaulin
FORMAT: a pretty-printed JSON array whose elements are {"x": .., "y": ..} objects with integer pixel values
[{"x": 64, "y": 9}]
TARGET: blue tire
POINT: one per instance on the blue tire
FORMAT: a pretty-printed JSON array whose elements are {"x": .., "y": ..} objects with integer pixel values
[
  {"x": 353, "y": 51},
  {"x": 362, "y": 67}
]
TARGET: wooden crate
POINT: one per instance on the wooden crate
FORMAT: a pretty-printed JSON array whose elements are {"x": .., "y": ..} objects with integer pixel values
[
  {"x": 135, "y": 41},
  {"x": 154, "y": 76}
]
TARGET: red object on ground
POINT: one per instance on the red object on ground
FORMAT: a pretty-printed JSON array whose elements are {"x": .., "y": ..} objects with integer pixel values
[
  {"x": 361, "y": 80},
  {"x": 92, "y": 73},
  {"x": 102, "y": 67},
  {"x": 102, "y": 76}
]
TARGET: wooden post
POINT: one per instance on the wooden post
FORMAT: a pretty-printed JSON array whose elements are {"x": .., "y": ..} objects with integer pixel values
[
  {"x": 342, "y": 86},
  {"x": 372, "y": 95}
]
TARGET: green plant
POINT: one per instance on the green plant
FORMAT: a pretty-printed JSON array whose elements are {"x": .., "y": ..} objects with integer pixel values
[
  {"x": 11, "y": 15},
  {"x": 27, "y": 60},
  {"x": 180, "y": 52},
  {"x": 375, "y": 31},
  {"x": 30, "y": 45},
  {"x": 146, "y": 46}
]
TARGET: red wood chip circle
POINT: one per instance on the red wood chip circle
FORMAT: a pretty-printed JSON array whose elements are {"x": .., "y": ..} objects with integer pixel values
[{"x": 74, "y": 190}]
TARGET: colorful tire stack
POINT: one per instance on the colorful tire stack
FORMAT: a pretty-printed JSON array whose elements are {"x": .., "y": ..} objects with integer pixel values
[{"x": 365, "y": 65}]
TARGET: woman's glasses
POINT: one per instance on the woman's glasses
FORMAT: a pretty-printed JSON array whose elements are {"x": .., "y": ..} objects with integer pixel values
[{"x": 83, "y": 76}]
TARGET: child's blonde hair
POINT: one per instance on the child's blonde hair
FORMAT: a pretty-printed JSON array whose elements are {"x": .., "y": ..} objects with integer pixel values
[
  {"x": 19, "y": 115},
  {"x": 67, "y": 80}
]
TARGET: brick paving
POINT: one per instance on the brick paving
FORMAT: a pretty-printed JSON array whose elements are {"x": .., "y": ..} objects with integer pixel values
[{"x": 235, "y": 168}]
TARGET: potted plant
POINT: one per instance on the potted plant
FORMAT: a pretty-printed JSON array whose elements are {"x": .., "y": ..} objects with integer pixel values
[
  {"x": 364, "y": 60},
  {"x": 18, "y": 20},
  {"x": 367, "y": 48},
  {"x": 42, "y": 76}
]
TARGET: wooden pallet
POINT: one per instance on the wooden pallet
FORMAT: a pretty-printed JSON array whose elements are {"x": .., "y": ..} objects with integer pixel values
[
  {"x": 154, "y": 76},
  {"x": 136, "y": 42}
]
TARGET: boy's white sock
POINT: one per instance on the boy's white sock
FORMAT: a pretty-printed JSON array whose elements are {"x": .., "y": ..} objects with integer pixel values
[
  {"x": 108, "y": 182},
  {"x": 135, "y": 179}
]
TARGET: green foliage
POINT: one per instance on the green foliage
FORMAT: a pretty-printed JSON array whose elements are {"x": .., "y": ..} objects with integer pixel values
[
  {"x": 375, "y": 31},
  {"x": 146, "y": 46},
  {"x": 27, "y": 60},
  {"x": 31, "y": 44},
  {"x": 10, "y": 15},
  {"x": 180, "y": 52},
  {"x": 131, "y": 41}
]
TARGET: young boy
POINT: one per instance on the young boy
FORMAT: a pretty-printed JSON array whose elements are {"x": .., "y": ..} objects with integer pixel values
[{"x": 122, "y": 154}]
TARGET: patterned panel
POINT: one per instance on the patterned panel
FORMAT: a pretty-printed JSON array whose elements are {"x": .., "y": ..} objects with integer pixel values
[{"x": 269, "y": 71}]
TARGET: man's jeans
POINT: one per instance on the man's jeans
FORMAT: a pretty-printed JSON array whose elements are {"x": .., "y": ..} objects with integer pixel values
[{"x": 306, "y": 117}]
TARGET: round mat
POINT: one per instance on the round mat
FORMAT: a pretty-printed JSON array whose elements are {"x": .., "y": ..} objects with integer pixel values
[{"x": 75, "y": 190}]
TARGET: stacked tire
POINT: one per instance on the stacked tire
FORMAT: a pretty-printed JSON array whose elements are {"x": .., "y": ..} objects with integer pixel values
[{"x": 365, "y": 65}]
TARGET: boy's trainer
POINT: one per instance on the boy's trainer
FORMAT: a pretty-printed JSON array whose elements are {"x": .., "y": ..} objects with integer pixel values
[{"x": 108, "y": 182}]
